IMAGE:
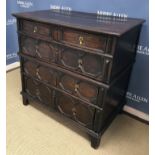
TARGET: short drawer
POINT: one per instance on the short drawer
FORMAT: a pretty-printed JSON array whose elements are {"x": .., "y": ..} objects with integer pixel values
[
  {"x": 79, "y": 112},
  {"x": 36, "y": 29},
  {"x": 38, "y": 90},
  {"x": 40, "y": 72},
  {"x": 85, "y": 40},
  {"x": 91, "y": 65},
  {"x": 38, "y": 48}
]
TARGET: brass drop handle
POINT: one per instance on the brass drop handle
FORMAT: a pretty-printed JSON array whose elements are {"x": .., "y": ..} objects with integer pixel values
[
  {"x": 76, "y": 87},
  {"x": 38, "y": 94},
  {"x": 38, "y": 53},
  {"x": 80, "y": 62},
  {"x": 80, "y": 66},
  {"x": 81, "y": 40},
  {"x": 35, "y": 29},
  {"x": 37, "y": 74},
  {"x": 74, "y": 112}
]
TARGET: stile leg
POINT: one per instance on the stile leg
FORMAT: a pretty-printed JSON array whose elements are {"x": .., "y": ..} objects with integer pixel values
[
  {"x": 95, "y": 142},
  {"x": 25, "y": 101}
]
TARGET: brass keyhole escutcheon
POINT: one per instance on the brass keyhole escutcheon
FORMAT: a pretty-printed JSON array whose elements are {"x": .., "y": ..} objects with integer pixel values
[
  {"x": 81, "y": 40},
  {"x": 35, "y": 29}
]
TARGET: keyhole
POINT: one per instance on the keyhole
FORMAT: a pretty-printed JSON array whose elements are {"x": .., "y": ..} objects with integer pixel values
[{"x": 81, "y": 40}]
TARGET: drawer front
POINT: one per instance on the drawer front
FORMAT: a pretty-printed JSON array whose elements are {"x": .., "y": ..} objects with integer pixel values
[
  {"x": 80, "y": 88},
  {"x": 38, "y": 91},
  {"x": 75, "y": 110},
  {"x": 84, "y": 90},
  {"x": 83, "y": 39},
  {"x": 28, "y": 46},
  {"x": 40, "y": 72},
  {"x": 90, "y": 65},
  {"x": 40, "y": 49},
  {"x": 36, "y": 29}
]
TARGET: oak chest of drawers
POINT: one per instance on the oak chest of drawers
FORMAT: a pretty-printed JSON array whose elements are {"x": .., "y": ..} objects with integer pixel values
[{"x": 78, "y": 64}]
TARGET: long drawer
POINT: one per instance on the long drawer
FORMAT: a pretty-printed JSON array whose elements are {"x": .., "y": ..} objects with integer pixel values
[
  {"x": 91, "y": 65},
  {"x": 78, "y": 87},
  {"x": 66, "y": 105}
]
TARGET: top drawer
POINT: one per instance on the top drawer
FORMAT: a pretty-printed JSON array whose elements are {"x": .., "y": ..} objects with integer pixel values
[
  {"x": 68, "y": 36},
  {"x": 90, "y": 41}
]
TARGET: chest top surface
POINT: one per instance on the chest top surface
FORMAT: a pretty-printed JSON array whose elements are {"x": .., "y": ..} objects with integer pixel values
[{"x": 84, "y": 21}]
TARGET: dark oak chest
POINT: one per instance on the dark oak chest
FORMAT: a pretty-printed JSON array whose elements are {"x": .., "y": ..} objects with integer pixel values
[{"x": 77, "y": 64}]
